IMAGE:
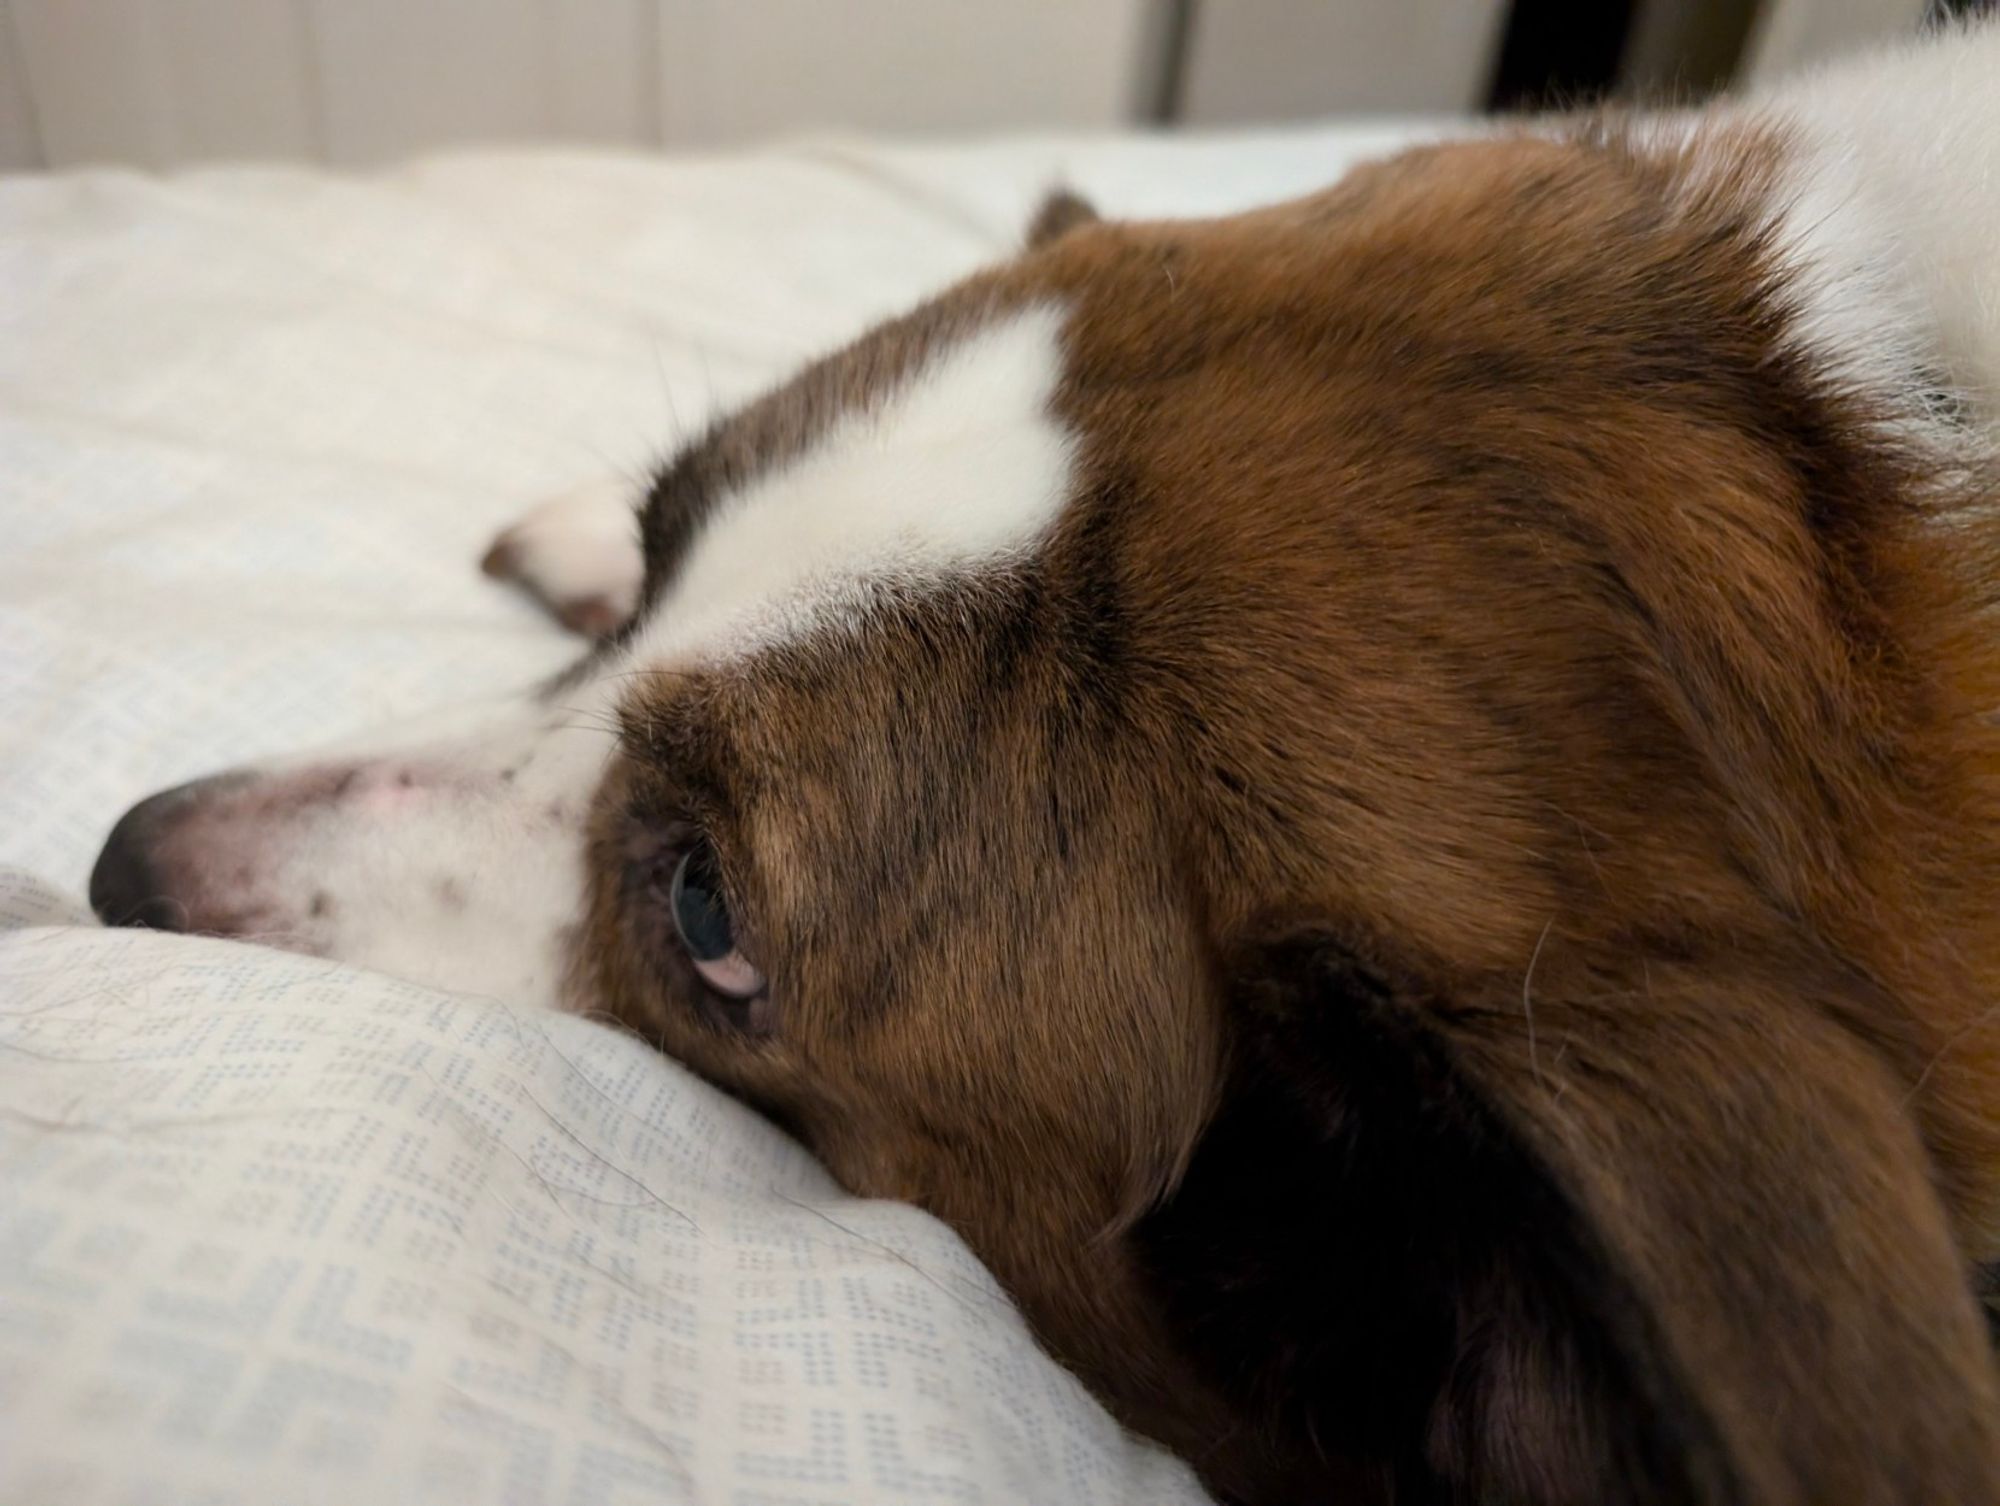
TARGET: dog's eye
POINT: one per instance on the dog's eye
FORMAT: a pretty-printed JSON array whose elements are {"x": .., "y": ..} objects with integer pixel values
[{"x": 701, "y": 915}]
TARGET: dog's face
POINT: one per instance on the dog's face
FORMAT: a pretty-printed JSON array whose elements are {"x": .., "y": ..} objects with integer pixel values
[{"x": 1043, "y": 716}]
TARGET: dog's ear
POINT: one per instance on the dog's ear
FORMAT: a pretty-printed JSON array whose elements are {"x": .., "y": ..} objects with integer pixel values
[
  {"x": 1061, "y": 211},
  {"x": 1677, "y": 1248}
]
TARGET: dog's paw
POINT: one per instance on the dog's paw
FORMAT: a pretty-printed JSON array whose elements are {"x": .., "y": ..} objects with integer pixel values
[{"x": 578, "y": 555}]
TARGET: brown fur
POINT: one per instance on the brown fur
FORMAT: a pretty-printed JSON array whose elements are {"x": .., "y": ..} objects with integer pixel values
[{"x": 1480, "y": 651}]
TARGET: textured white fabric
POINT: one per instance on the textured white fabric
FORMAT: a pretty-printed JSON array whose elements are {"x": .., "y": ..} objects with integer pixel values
[{"x": 277, "y": 1231}]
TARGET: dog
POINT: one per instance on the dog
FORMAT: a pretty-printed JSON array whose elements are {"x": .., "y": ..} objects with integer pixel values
[{"x": 1390, "y": 804}]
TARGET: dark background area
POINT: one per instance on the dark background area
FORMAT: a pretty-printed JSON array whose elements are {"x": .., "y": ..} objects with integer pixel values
[{"x": 1563, "y": 52}]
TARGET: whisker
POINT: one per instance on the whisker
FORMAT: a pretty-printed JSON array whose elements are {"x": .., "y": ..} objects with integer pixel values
[{"x": 1528, "y": 1003}]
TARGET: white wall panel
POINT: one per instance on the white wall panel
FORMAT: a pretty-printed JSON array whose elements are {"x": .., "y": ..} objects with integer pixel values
[
  {"x": 604, "y": 79},
  {"x": 403, "y": 75},
  {"x": 20, "y": 145},
  {"x": 94, "y": 74},
  {"x": 736, "y": 71},
  {"x": 1264, "y": 60},
  {"x": 239, "y": 77},
  {"x": 159, "y": 81}
]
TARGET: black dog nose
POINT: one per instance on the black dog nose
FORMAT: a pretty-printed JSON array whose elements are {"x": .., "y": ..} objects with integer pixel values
[{"x": 126, "y": 888}]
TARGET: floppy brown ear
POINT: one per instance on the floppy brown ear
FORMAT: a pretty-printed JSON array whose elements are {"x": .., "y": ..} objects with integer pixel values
[
  {"x": 1060, "y": 212},
  {"x": 1677, "y": 1248}
]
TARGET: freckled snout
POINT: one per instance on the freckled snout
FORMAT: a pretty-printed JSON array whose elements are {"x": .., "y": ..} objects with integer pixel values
[
  {"x": 239, "y": 853},
  {"x": 454, "y": 859},
  {"x": 129, "y": 884}
]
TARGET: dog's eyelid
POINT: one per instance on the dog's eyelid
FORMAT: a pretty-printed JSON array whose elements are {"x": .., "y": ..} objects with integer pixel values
[
  {"x": 673, "y": 800},
  {"x": 683, "y": 771},
  {"x": 701, "y": 905}
]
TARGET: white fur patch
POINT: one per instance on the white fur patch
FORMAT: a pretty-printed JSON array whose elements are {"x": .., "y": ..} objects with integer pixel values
[
  {"x": 1892, "y": 223},
  {"x": 1887, "y": 215},
  {"x": 963, "y": 464}
]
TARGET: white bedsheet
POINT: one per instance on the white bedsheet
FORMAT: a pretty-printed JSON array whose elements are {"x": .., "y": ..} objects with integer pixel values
[{"x": 277, "y": 1231}]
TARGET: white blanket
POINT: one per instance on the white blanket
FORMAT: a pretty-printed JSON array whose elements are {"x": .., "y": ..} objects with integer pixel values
[{"x": 276, "y": 1231}]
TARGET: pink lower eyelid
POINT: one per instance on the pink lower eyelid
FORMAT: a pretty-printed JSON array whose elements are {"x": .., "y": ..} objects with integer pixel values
[{"x": 732, "y": 975}]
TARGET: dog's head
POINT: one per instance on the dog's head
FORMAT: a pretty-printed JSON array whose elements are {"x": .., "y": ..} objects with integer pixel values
[{"x": 1274, "y": 773}]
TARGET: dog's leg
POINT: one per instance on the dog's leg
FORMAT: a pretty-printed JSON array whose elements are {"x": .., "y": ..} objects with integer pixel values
[{"x": 578, "y": 555}]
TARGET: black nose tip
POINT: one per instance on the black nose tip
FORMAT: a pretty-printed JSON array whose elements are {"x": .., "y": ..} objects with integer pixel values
[{"x": 126, "y": 886}]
